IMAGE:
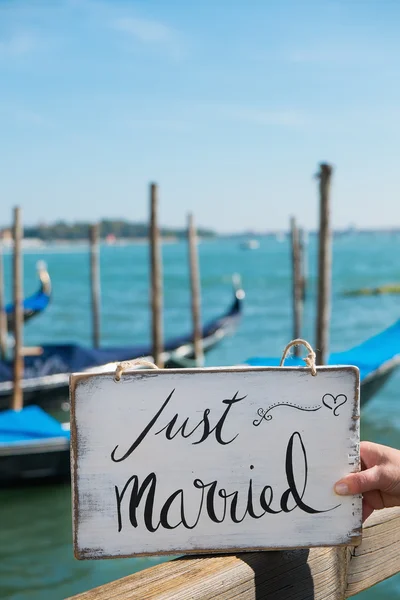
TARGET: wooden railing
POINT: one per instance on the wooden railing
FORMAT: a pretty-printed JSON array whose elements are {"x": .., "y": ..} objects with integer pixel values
[{"x": 319, "y": 573}]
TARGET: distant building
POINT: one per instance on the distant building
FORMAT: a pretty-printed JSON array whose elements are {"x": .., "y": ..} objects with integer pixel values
[{"x": 6, "y": 238}]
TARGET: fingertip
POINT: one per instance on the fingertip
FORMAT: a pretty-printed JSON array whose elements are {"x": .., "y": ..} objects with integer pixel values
[{"x": 341, "y": 488}]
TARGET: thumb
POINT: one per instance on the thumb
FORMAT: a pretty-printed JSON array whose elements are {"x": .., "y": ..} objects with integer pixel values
[{"x": 358, "y": 483}]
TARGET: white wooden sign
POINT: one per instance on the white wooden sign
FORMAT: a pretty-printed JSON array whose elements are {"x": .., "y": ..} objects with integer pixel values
[{"x": 213, "y": 460}]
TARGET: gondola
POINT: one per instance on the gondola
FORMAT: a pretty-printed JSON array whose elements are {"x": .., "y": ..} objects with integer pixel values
[
  {"x": 46, "y": 376},
  {"x": 377, "y": 358},
  {"x": 35, "y": 304},
  {"x": 33, "y": 446}
]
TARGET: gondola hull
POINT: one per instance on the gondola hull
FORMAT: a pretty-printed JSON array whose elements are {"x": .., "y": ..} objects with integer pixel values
[
  {"x": 377, "y": 358},
  {"x": 46, "y": 377},
  {"x": 30, "y": 462},
  {"x": 376, "y": 381},
  {"x": 35, "y": 304},
  {"x": 369, "y": 386},
  {"x": 33, "y": 446}
]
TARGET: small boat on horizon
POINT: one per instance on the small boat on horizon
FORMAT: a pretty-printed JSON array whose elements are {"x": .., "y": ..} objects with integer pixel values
[
  {"x": 250, "y": 244},
  {"x": 280, "y": 236}
]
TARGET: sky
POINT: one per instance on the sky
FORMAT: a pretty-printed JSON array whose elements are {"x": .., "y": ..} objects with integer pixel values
[{"x": 229, "y": 105}]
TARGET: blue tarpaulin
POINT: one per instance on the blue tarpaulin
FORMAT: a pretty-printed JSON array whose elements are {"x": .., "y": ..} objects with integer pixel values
[{"x": 30, "y": 423}]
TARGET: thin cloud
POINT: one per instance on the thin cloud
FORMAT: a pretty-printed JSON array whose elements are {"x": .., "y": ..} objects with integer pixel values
[
  {"x": 138, "y": 29},
  {"x": 160, "y": 125},
  {"x": 24, "y": 116},
  {"x": 323, "y": 57},
  {"x": 150, "y": 32},
  {"x": 145, "y": 30},
  {"x": 31, "y": 117},
  {"x": 341, "y": 54},
  {"x": 16, "y": 45},
  {"x": 267, "y": 117}
]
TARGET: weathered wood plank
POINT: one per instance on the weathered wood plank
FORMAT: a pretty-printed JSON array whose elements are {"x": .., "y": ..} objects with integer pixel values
[
  {"x": 214, "y": 456},
  {"x": 319, "y": 573},
  {"x": 286, "y": 575},
  {"x": 378, "y": 557},
  {"x": 32, "y": 351}
]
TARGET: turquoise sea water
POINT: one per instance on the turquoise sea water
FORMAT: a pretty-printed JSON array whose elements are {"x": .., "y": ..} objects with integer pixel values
[{"x": 36, "y": 559}]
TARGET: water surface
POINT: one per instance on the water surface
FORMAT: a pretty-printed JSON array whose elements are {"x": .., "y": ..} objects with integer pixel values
[{"x": 36, "y": 559}]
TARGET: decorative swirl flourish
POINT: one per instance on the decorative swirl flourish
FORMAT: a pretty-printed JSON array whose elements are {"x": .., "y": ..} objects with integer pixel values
[{"x": 265, "y": 416}]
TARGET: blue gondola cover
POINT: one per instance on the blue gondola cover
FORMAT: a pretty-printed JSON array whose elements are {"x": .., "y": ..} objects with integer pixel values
[
  {"x": 367, "y": 356},
  {"x": 31, "y": 423}
]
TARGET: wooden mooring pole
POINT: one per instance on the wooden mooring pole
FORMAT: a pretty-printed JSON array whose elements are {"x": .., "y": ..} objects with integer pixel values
[
  {"x": 17, "y": 397},
  {"x": 195, "y": 291},
  {"x": 156, "y": 279},
  {"x": 3, "y": 316},
  {"x": 95, "y": 282},
  {"x": 297, "y": 283},
  {"x": 303, "y": 263},
  {"x": 324, "y": 266}
]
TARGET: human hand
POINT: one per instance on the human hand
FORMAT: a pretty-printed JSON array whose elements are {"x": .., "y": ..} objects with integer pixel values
[{"x": 378, "y": 481}]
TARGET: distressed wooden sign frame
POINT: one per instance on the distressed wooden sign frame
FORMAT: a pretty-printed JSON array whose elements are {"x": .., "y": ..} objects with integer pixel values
[{"x": 213, "y": 460}]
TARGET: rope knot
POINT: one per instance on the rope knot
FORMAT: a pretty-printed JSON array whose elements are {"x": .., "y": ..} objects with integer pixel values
[
  {"x": 125, "y": 365},
  {"x": 309, "y": 359}
]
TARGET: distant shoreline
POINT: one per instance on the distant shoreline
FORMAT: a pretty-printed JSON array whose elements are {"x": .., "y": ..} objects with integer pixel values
[
  {"x": 121, "y": 232},
  {"x": 38, "y": 243}
]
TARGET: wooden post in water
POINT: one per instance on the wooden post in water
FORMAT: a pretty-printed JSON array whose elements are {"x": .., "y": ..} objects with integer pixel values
[
  {"x": 297, "y": 283},
  {"x": 324, "y": 266},
  {"x": 156, "y": 279},
  {"x": 195, "y": 290},
  {"x": 17, "y": 397},
  {"x": 95, "y": 282},
  {"x": 3, "y": 316},
  {"x": 303, "y": 263}
]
